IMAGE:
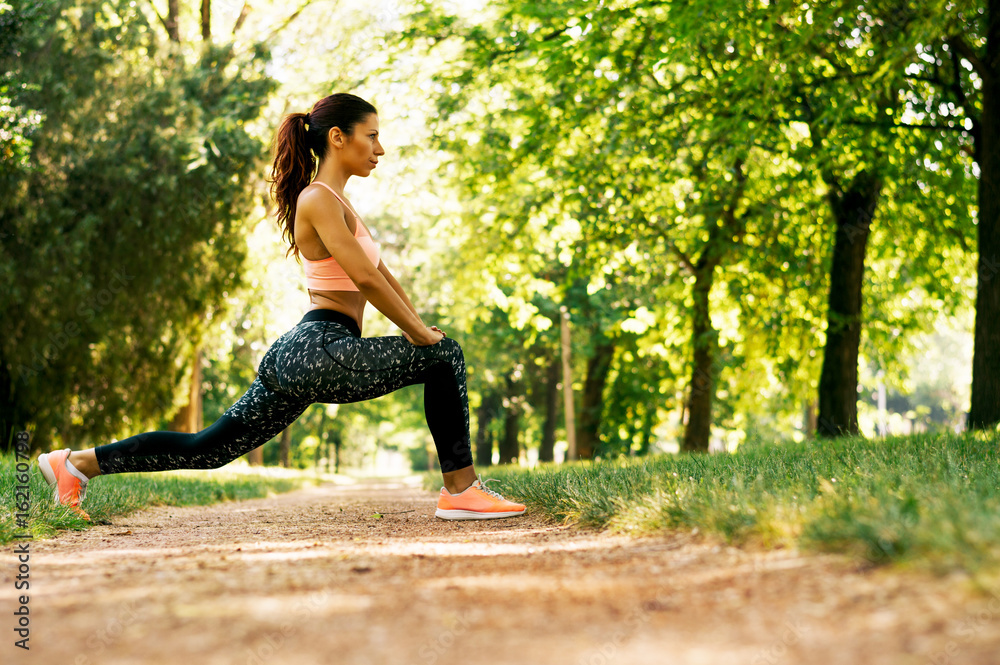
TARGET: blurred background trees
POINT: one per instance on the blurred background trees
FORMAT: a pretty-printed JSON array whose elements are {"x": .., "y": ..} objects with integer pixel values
[{"x": 764, "y": 218}]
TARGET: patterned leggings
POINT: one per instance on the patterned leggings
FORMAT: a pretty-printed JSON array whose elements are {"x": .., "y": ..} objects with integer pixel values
[{"x": 322, "y": 359}]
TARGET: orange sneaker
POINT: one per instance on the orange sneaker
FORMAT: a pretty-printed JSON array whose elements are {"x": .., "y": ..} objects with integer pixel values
[
  {"x": 476, "y": 503},
  {"x": 70, "y": 485}
]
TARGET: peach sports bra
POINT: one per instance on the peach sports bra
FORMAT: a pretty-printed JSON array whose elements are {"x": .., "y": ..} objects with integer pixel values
[{"x": 326, "y": 274}]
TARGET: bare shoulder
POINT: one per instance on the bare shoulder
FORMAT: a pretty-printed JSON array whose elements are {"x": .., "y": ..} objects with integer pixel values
[{"x": 319, "y": 204}]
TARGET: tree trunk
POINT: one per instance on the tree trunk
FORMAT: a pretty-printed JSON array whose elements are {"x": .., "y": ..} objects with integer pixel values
[
  {"x": 598, "y": 366},
  {"x": 10, "y": 419},
  {"x": 985, "y": 404},
  {"x": 286, "y": 444},
  {"x": 648, "y": 423},
  {"x": 546, "y": 449},
  {"x": 704, "y": 341},
  {"x": 189, "y": 418},
  {"x": 171, "y": 21},
  {"x": 487, "y": 412},
  {"x": 338, "y": 442},
  {"x": 324, "y": 438},
  {"x": 256, "y": 456},
  {"x": 838, "y": 383},
  {"x": 567, "y": 372},
  {"x": 206, "y": 20},
  {"x": 809, "y": 418},
  {"x": 510, "y": 449}
]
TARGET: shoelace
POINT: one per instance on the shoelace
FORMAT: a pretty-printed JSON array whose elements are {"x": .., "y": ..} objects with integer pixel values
[{"x": 483, "y": 487}]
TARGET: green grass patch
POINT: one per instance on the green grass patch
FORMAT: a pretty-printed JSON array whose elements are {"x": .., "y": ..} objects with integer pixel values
[
  {"x": 121, "y": 494},
  {"x": 927, "y": 500}
]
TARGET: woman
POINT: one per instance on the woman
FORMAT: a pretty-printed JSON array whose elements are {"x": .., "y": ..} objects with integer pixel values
[{"x": 323, "y": 358}]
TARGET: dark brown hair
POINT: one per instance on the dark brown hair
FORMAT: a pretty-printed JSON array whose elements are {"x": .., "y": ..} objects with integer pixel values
[{"x": 300, "y": 144}]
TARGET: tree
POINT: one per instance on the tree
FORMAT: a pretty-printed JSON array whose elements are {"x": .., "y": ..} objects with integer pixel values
[
  {"x": 127, "y": 204},
  {"x": 643, "y": 126},
  {"x": 563, "y": 142}
]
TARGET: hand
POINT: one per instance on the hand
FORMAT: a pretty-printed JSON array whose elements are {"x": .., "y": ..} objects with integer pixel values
[{"x": 433, "y": 337}]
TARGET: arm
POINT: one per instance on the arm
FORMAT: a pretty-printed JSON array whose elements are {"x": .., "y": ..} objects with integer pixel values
[
  {"x": 382, "y": 268},
  {"x": 326, "y": 215}
]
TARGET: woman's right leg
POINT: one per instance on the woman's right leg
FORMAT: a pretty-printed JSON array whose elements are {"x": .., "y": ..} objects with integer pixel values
[
  {"x": 262, "y": 412},
  {"x": 215, "y": 446}
]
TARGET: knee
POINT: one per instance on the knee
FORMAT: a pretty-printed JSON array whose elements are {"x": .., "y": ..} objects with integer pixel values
[{"x": 448, "y": 345}]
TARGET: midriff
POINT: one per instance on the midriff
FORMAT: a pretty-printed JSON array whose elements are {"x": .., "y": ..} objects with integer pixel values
[
  {"x": 345, "y": 302},
  {"x": 311, "y": 247}
]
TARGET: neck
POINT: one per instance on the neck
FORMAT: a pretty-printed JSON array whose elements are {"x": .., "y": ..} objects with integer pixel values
[{"x": 333, "y": 174}]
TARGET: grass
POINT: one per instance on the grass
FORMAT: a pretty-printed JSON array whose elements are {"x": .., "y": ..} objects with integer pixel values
[
  {"x": 120, "y": 494},
  {"x": 929, "y": 501}
]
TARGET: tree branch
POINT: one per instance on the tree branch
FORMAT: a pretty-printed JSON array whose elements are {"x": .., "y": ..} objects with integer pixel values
[
  {"x": 959, "y": 46},
  {"x": 242, "y": 17},
  {"x": 926, "y": 79},
  {"x": 956, "y": 86},
  {"x": 685, "y": 260},
  {"x": 163, "y": 19},
  {"x": 736, "y": 227},
  {"x": 632, "y": 68},
  {"x": 806, "y": 118},
  {"x": 708, "y": 59},
  {"x": 287, "y": 22}
]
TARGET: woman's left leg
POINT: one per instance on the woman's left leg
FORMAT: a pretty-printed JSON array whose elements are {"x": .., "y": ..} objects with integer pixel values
[{"x": 356, "y": 369}]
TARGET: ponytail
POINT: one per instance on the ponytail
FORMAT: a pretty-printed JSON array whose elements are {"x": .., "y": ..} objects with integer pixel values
[
  {"x": 300, "y": 142},
  {"x": 292, "y": 171}
]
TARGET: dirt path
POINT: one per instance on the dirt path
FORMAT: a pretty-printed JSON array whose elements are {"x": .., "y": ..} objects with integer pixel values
[{"x": 313, "y": 577}]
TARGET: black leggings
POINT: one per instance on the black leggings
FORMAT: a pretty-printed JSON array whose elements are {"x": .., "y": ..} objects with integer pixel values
[{"x": 322, "y": 359}]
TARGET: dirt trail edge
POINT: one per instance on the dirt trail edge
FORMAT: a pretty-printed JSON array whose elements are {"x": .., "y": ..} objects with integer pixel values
[{"x": 312, "y": 576}]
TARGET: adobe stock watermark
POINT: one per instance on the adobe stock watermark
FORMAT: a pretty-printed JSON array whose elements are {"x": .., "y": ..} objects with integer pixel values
[
  {"x": 271, "y": 642},
  {"x": 65, "y": 332},
  {"x": 703, "y": 381},
  {"x": 102, "y": 639},
  {"x": 22, "y": 550},
  {"x": 858, "y": 229},
  {"x": 607, "y": 651},
  {"x": 894, "y": 20},
  {"x": 387, "y": 15},
  {"x": 968, "y": 628},
  {"x": 775, "y": 652},
  {"x": 989, "y": 267},
  {"x": 439, "y": 645},
  {"x": 879, "y": 551}
]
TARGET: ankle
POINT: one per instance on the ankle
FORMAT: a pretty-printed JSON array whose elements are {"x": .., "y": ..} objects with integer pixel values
[
  {"x": 82, "y": 463},
  {"x": 460, "y": 480},
  {"x": 455, "y": 489}
]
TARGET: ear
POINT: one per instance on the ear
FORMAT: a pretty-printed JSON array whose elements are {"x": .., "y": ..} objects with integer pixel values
[{"x": 336, "y": 137}]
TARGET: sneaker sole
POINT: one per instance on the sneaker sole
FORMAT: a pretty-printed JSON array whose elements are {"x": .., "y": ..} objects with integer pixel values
[{"x": 473, "y": 515}]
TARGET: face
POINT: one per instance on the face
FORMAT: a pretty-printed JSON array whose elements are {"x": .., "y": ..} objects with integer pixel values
[{"x": 360, "y": 151}]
